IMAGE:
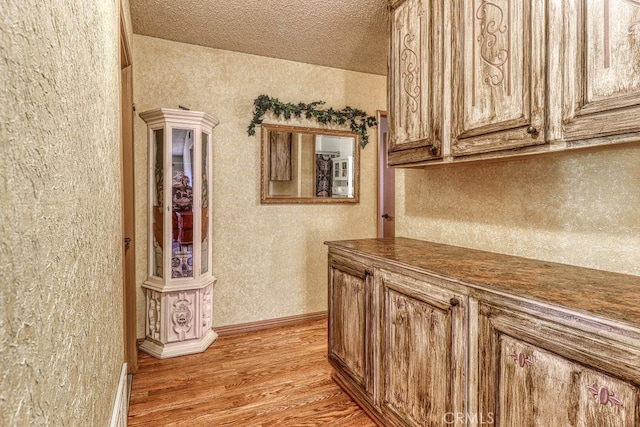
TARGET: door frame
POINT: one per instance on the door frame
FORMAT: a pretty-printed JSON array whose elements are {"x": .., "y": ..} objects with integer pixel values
[
  {"x": 382, "y": 170},
  {"x": 127, "y": 198}
]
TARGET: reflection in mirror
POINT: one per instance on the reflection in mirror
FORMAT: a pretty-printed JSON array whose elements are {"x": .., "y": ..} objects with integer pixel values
[{"x": 302, "y": 165}]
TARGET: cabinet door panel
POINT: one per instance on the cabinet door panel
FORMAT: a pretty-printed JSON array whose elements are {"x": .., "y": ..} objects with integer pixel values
[
  {"x": 538, "y": 388},
  {"x": 602, "y": 72},
  {"x": 522, "y": 384},
  {"x": 415, "y": 79},
  {"x": 349, "y": 298},
  {"x": 421, "y": 335},
  {"x": 498, "y": 70}
]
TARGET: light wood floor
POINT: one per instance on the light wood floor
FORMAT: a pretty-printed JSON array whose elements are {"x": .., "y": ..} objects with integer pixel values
[{"x": 274, "y": 377}]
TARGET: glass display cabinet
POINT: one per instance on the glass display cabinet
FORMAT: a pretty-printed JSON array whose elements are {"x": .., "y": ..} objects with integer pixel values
[{"x": 179, "y": 288}]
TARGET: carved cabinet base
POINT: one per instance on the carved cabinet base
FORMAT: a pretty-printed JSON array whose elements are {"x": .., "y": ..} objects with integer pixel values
[{"x": 178, "y": 322}]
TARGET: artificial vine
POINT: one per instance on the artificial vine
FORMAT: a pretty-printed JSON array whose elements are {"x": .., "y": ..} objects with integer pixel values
[{"x": 357, "y": 119}]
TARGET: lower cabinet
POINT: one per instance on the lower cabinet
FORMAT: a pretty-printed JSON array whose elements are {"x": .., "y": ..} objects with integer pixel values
[
  {"x": 422, "y": 337},
  {"x": 350, "y": 349},
  {"x": 523, "y": 384},
  {"x": 416, "y": 349}
]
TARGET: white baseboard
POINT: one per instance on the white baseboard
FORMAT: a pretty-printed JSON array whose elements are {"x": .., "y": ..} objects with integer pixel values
[{"x": 120, "y": 405}]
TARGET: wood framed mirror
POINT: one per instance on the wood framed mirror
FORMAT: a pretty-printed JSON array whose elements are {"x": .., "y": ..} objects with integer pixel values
[{"x": 307, "y": 165}]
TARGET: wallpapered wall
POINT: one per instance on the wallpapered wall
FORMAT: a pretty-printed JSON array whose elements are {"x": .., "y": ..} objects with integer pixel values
[
  {"x": 270, "y": 260},
  {"x": 61, "y": 334},
  {"x": 576, "y": 208}
]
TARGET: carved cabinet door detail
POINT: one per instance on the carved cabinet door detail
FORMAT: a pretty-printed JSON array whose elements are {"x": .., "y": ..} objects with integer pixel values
[
  {"x": 349, "y": 322},
  {"x": 521, "y": 384},
  {"x": 602, "y": 68},
  {"x": 415, "y": 81},
  {"x": 498, "y": 75},
  {"x": 422, "y": 351}
]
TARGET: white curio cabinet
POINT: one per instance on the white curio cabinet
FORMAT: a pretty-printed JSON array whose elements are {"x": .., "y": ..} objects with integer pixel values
[
  {"x": 179, "y": 288},
  {"x": 342, "y": 183}
]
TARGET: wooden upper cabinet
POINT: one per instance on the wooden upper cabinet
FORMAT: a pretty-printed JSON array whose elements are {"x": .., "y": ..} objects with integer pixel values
[
  {"x": 415, "y": 81},
  {"x": 498, "y": 75},
  {"x": 602, "y": 68},
  {"x": 479, "y": 79}
]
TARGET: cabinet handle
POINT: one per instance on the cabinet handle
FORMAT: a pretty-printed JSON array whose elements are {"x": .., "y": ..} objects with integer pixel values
[
  {"x": 454, "y": 302},
  {"x": 532, "y": 131},
  {"x": 603, "y": 395}
]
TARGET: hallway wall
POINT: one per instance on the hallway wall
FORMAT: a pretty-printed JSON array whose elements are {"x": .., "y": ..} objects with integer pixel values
[{"x": 61, "y": 341}]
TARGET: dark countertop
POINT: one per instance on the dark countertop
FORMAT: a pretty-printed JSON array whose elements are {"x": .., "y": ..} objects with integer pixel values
[{"x": 600, "y": 293}]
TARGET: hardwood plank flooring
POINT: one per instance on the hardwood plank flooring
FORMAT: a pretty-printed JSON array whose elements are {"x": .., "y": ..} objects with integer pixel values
[{"x": 273, "y": 377}]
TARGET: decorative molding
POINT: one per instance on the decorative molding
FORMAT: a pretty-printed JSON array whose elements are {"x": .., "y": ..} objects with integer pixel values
[
  {"x": 207, "y": 297},
  {"x": 606, "y": 33},
  {"x": 631, "y": 28},
  {"x": 185, "y": 320},
  {"x": 603, "y": 395},
  {"x": 411, "y": 73},
  {"x": 521, "y": 359},
  {"x": 154, "y": 313},
  {"x": 431, "y": 318},
  {"x": 491, "y": 33},
  {"x": 121, "y": 402},
  {"x": 634, "y": 25},
  {"x": 181, "y": 348},
  {"x": 270, "y": 323},
  {"x": 357, "y": 287},
  {"x": 182, "y": 316}
]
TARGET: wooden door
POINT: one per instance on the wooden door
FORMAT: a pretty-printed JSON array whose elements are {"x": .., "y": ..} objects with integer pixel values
[
  {"x": 350, "y": 293},
  {"x": 415, "y": 81},
  {"x": 386, "y": 183},
  {"x": 602, "y": 68},
  {"x": 498, "y": 75},
  {"x": 523, "y": 384},
  {"x": 423, "y": 359},
  {"x": 128, "y": 203}
]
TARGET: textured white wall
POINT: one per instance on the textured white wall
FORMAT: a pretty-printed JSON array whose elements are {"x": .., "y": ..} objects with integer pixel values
[
  {"x": 575, "y": 208},
  {"x": 270, "y": 260},
  {"x": 61, "y": 341}
]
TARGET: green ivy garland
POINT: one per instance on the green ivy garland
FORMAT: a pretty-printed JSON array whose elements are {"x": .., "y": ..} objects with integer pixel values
[{"x": 357, "y": 119}]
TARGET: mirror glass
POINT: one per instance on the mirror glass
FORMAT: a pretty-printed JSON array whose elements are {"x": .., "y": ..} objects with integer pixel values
[{"x": 304, "y": 165}]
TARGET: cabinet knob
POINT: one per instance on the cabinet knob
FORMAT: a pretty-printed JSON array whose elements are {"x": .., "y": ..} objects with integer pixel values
[
  {"x": 454, "y": 302},
  {"x": 532, "y": 131},
  {"x": 368, "y": 272}
]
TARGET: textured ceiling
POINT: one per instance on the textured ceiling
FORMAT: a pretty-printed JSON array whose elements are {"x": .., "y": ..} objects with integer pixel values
[{"x": 347, "y": 34}]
